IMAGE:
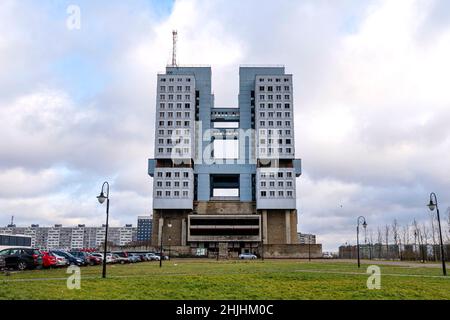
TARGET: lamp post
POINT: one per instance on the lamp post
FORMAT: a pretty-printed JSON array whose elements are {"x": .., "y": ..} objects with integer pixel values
[
  {"x": 432, "y": 205},
  {"x": 170, "y": 241},
  {"x": 162, "y": 236},
  {"x": 101, "y": 199},
  {"x": 309, "y": 249},
  {"x": 364, "y": 224}
]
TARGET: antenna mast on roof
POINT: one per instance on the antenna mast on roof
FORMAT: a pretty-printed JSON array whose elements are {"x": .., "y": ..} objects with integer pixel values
[{"x": 174, "y": 49}]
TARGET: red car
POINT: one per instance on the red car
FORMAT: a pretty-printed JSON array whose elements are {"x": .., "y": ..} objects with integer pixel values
[{"x": 48, "y": 260}]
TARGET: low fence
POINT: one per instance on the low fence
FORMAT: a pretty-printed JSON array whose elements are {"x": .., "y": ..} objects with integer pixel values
[{"x": 394, "y": 252}]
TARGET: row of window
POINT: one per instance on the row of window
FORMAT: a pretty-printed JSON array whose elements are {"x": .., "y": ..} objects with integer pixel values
[
  {"x": 271, "y": 141},
  {"x": 178, "y": 105},
  {"x": 178, "y": 132},
  {"x": 169, "y": 174},
  {"x": 277, "y": 88},
  {"x": 173, "y": 79},
  {"x": 270, "y": 97},
  {"x": 280, "y": 184},
  {"x": 278, "y": 106},
  {"x": 172, "y": 194},
  {"x": 178, "y": 114},
  {"x": 177, "y": 123},
  {"x": 271, "y": 151},
  {"x": 276, "y": 114},
  {"x": 172, "y": 88},
  {"x": 178, "y": 97},
  {"x": 168, "y": 184},
  {"x": 178, "y": 151},
  {"x": 279, "y": 174},
  {"x": 271, "y": 123},
  {"x": 176, "y": 141},
  {"x": 271, "y": 132},
  {"x": 272, "y": 79},
  {"x": 279, "y": 194}
]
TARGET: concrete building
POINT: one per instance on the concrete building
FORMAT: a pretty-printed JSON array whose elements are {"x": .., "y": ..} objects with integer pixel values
[
  {"x": 227, "y": 202},
  {"x": 144, "y": 228},
  {"x": 73, "y": 238},
  {"x": 304, "y": 238}
]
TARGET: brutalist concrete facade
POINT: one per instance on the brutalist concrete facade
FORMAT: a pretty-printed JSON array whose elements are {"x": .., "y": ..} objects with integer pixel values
[{"x": 220, "y": 204}]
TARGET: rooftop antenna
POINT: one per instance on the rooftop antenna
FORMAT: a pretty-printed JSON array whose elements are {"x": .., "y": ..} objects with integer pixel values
[{"x": 174, "y": 49}]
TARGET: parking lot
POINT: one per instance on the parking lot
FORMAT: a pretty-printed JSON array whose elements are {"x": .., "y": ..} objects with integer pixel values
[{"x": 21, "y": 259}]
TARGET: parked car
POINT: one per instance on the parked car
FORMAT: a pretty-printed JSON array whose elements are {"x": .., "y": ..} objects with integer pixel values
[
  {"x": 70, "y": 258},
  {"x": 159, "y": 256},
  {"x": 111, "y": 258},
  {"x": 152, "y": 257},
  {"x": 2, "y": 263},
  {"x": 80, "y": 255},
  {"x": 94, "y": 260},
  {"x": 133, "y": 257},
  {"x": 22, "y": 258},
  {"x": 327, "y": 255},
  {"x": 247, "y": 256},
  {"x": 48, "y": 260},
  {"x": 99, "y": 255},
  {"x": 60, "y": 260},
  {"x": 122, "y": 257}
]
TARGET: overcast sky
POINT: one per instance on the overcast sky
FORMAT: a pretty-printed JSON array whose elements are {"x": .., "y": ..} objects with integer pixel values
[{"x": 372, "y": 102}]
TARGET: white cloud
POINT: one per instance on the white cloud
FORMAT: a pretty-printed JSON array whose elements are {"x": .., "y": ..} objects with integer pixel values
[{"x": 372, "y": 103}]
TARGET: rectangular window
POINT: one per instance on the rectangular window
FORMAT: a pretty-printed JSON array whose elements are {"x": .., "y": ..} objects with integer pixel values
[{"x": 226, "y": 149}]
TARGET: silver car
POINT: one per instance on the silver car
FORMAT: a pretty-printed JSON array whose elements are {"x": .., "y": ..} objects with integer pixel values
[
  {"x": 60, "y": 260},
  {"x": 247, "y": 256}
]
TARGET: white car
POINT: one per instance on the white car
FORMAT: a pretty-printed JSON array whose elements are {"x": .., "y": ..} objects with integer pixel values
[
  {"x": 247, "y": 256},
  {"x": 110, "y": 258},
  {"x": 99, "y": 255},
  {"x": 152, "y": 257},
  {"x": 60, "y": 260}
]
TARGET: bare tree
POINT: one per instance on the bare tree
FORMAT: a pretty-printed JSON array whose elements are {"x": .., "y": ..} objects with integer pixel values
[
  {"x": 405, "y": 234},
  {"x": 386, "y": 238},
  {"x": 416, "y": 230},
  {"x": 379, "y": 242},
  {"x": 397, "y": 239},
  {"x": 371, "y": 243},
  {"x": 448, "y": 224},
  {"x": 425, "y": 238}
]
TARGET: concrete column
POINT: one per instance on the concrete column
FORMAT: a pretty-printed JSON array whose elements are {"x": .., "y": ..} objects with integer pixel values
[
  {"x": 245, "y": 187},
  {"x": 183, "y": 232},
  {"x": 203, "y": 187},
  {"x": 160, "y": 226},
  {"x": 264, "y": 222},
  {"x": 288, "y": 227}
]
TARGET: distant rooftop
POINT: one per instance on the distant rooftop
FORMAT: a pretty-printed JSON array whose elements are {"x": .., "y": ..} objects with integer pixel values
[{"x": 261, "y": 66}]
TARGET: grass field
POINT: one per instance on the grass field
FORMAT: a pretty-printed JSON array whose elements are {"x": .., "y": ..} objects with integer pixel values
[{"x": 249, "y": 280}]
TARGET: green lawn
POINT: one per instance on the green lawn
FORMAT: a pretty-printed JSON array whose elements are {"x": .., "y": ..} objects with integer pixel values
[{"x": 208, "y": 279}]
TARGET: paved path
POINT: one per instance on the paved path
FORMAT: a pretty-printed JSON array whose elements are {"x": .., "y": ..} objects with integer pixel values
[{"x": 409, "y": 264}]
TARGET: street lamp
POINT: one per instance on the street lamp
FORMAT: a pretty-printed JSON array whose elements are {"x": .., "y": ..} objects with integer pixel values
[
  {"x": 434, "y": 205},
  {"x": 101, "y": 199},
  {"x": 364, "y": 224},
  {"x": 162, "y": 236}
]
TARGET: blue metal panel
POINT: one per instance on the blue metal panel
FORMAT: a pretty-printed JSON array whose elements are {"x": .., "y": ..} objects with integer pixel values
[
  {"x": 151, "y": 167},
  {"x": 298, "y": 167},
  {"x": 246, "y": 187},
  {"x": 203, "y": 191}
]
